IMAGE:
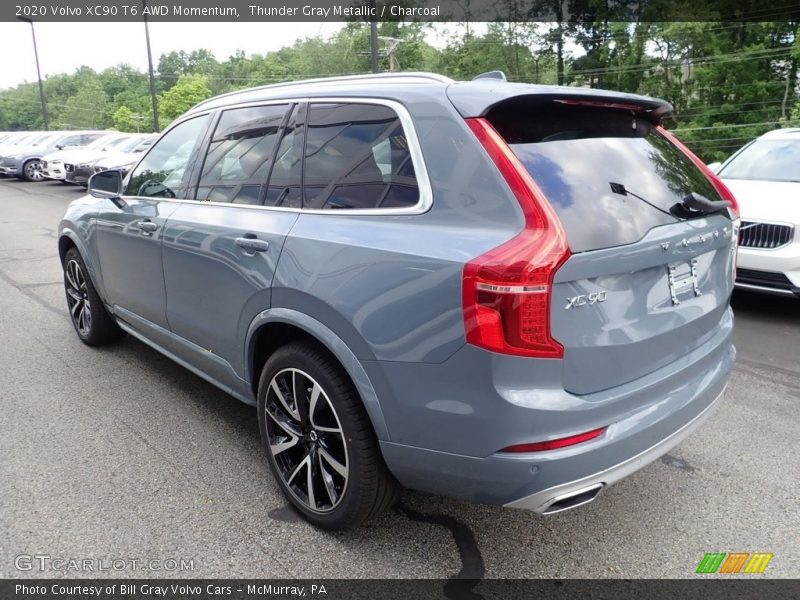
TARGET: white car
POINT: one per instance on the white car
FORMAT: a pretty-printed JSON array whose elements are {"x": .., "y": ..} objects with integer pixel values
[
  {"x": 126, "y": 155},
  {"x": 53, "y": 164},
  {"x": 765, "y": 178}
]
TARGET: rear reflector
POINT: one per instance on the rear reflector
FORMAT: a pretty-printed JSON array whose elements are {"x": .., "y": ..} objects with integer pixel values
[
  {"x": 507, "y": 291},
  {"x": 555, "y": 444}
]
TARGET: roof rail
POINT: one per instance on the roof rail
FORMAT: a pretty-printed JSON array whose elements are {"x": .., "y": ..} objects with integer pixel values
[{"x": 365, "y": 77}]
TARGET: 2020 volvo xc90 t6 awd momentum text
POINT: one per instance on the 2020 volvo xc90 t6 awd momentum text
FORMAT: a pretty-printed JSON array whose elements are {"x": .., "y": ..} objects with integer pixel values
[{"x": 509, "y": 294}]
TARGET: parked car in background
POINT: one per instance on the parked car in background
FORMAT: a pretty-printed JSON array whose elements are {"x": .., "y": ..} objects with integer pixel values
[
  {"x": 506, "y": 293},
  {"x": 19, "y": 144},
  {"x": 14, "y": 142},
  {"x": 7, "y": 136},
  {"x": 765, "y": 178},
  {"x": 126, "y": 156},
  {"x": 79, "y": 168},
  {"x": 25, "y": 162},
  {"x": 53, "y": 164}
]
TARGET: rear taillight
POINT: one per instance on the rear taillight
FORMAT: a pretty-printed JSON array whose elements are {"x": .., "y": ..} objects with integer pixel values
[
  {"x": 721, "y": 188},
  {"x": 507, "y": 291}
]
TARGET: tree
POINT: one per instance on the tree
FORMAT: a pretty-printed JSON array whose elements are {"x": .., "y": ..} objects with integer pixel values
[
  {"x": 87, "y": 109},
  {"x": 188, "y": 91}
]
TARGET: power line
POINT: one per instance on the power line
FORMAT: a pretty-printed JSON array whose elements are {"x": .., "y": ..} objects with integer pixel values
[{"x": 683, "y": 129}]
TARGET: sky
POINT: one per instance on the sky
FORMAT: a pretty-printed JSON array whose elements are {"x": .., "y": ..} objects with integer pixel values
[{"x": 63, "y": 47}]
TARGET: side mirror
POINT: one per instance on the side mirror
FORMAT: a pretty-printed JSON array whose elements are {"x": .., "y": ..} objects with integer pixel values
[
  {"x": 714, "y": 166},
  {"x": 106, "y": 184}
]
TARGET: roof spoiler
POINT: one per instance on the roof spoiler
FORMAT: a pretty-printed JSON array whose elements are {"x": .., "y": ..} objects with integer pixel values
[{"x": 477, "y": 98}]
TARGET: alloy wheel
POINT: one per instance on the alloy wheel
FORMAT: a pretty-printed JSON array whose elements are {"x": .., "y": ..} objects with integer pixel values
[
  {"x": 33, "y": 170},
  {"x": 306, "y": 440},
  {"x": 78, "y": 298}
]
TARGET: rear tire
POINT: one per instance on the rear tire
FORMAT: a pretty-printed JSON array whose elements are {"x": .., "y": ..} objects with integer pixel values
[
  {"x": 319, "y": 441},
  {"x": 88, "y": 314}
]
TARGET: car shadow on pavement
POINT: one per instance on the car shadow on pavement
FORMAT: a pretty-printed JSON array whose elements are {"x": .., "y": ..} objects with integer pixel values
[{"x": 765, "y": 307}]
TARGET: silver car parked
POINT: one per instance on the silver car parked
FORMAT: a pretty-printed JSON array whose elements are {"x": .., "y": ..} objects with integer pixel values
[{"x": 504, "y": 293}]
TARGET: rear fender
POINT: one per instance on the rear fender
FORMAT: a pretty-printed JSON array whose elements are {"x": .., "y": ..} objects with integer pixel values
[{"x": 335, "y": 345}]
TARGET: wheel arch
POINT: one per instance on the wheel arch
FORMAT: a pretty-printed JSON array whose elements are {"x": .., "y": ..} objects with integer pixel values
[
  {"x": 275, "y": 327},
  {"x": 67, "y": 239},
  {"x": 24, "y": 163}
]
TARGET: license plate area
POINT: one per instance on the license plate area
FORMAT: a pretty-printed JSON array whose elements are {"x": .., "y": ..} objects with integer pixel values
[{"x": 683, "y": 280}]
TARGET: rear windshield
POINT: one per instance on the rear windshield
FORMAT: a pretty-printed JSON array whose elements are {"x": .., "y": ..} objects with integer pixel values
[{"x": 575, "y": 153}]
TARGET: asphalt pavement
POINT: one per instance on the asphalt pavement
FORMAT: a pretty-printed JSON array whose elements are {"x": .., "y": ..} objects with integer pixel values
[{"x": 119, "y": 454}]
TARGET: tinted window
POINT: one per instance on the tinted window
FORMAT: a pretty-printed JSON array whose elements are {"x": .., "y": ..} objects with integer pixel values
[
  {"x": 240, "y": 154},
  {"x": 88, "y": 138},
  {"x": 769, "y": 160},
  {"x": 357, "y": 156},
  {"x": 574, "y": 153},
  {"x": 285, "y": 180},
  {"x": 162, "y": 173},
  {"x": 71, "y": 140}
]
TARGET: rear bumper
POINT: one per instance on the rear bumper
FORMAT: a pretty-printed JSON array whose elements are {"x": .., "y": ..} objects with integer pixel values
[
  {"x": 448, "y": 422},
  {"x": 548, "y": 501}
]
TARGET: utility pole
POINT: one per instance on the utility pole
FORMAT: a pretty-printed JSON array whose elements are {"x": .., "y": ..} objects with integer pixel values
[
  {"x": 391, "y": 44},
  {"x": 43, "y": 100},
  {"x": 373, "y": 36},
  {"x": 150, "y": 69}
]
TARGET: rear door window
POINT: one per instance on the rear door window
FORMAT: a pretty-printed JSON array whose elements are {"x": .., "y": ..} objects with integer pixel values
[
  {"x": 575, "y": 153},
  {"x": 357, "y": 157},
  {"x": 285, "y": 186},
  {"x": 240, "y": 155}
]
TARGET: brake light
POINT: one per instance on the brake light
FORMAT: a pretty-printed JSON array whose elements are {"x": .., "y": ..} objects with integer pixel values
[
  {"x": 554, "y": 444},
  {"x": 722, "y": 189},
  {"x": 507, "y": 291},
  {"x": 601, "y": 104}
]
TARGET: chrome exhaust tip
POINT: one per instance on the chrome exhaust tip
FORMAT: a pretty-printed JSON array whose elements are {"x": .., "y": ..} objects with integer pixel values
[{"x": 573, "y": 499}]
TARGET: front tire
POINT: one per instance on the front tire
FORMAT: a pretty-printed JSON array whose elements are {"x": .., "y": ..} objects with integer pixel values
[
  {"x": 319, "y": 441},
  {"x": 88, "y": 314},
  {"x": 32, "y": 171}
]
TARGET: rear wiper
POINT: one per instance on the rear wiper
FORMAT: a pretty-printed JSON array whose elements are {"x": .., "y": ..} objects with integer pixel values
[
  {"x": 619, "y": 188},
  {"x": 695, "y": 205}
]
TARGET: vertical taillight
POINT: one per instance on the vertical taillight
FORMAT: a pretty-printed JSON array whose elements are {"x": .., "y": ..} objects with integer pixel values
[
  {"x": 507, "y": 291},
  {"x": 721, "y": 188}
]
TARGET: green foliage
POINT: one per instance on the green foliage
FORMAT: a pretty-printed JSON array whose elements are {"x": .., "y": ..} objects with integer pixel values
[
  {"x": 188, "y": 91},
  {"x": 127, "y": 120},
  {"x": 87, "y": 108},
  {"x": 728, "y": 81}
]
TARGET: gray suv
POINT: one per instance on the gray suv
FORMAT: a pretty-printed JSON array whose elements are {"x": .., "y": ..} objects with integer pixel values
[{"x": 504, "y": 293}]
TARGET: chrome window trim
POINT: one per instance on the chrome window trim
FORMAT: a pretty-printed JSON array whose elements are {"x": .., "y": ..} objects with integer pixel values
[{"x": 424, "y": 202}]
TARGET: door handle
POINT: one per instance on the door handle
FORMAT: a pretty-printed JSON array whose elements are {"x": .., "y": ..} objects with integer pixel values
[
  {"x": 252, "y": 244},
  {"x": 147, "y": 226}
]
